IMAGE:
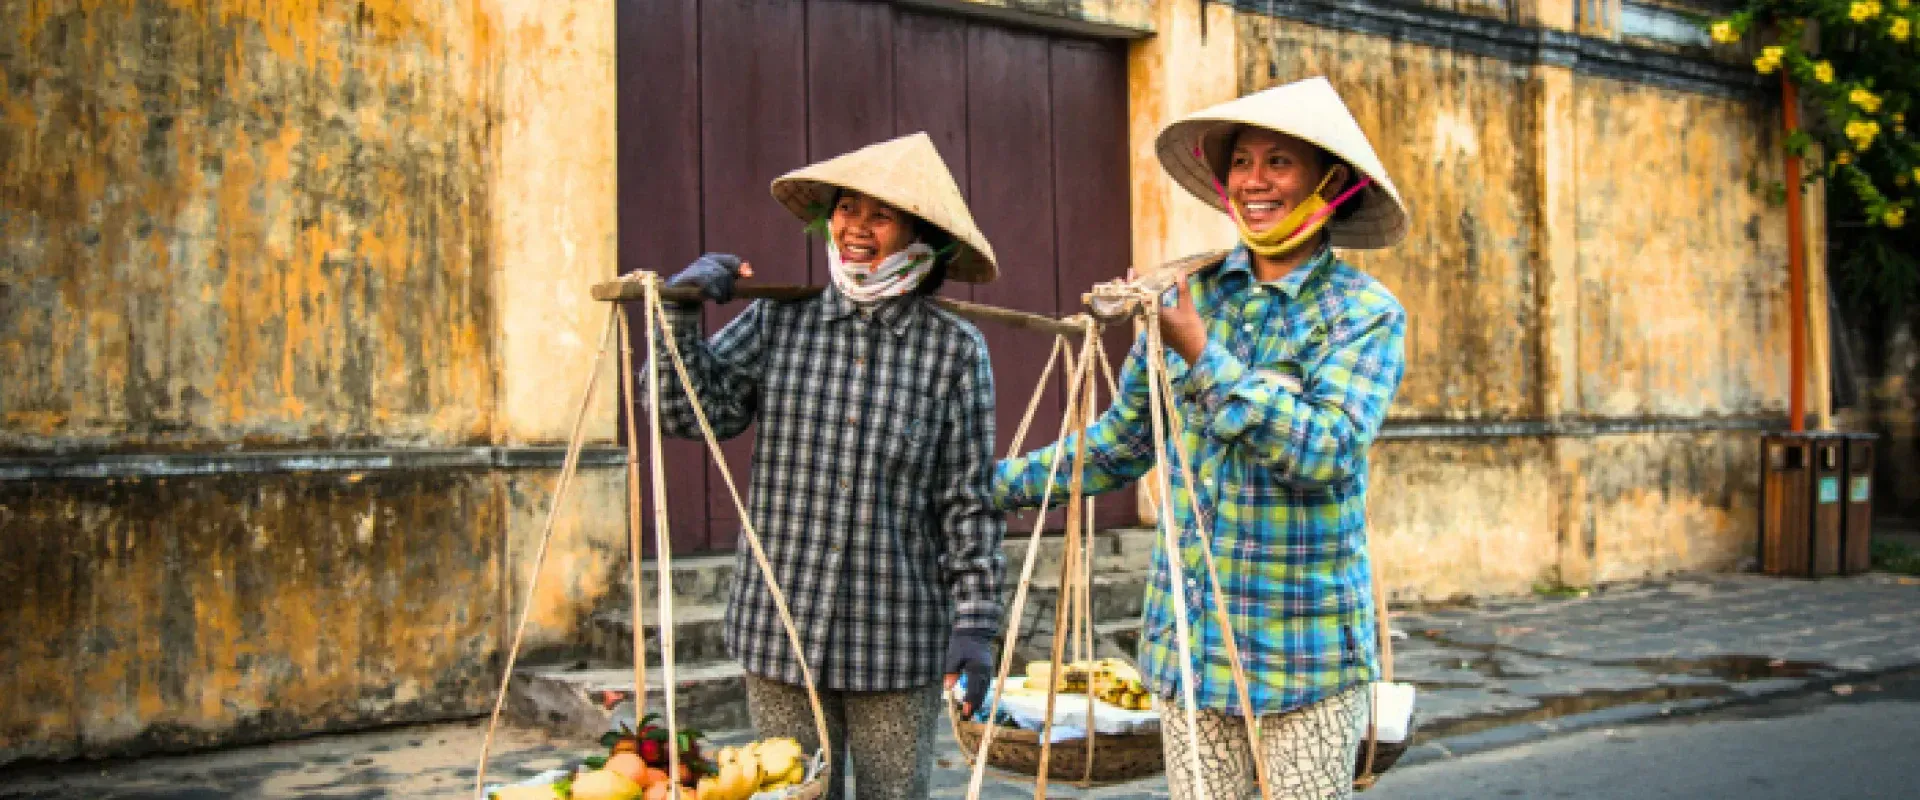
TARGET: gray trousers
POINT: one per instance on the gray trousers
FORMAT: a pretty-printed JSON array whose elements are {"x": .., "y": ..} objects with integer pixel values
[
  {"x": 1308, "y": 752},
  {"x": 883, "y": 739}
]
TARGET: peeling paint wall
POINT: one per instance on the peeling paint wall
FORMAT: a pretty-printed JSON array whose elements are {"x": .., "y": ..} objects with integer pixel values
[
  {"x": 292, "y": 224},
  {"x": 260, "y": 222},
  {"x": 162, "y": 614},
  {"x": 1683, "y": 291}
]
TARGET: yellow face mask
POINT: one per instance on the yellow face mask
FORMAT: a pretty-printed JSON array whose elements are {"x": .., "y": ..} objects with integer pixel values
[{"x": 1296, "y": 229}]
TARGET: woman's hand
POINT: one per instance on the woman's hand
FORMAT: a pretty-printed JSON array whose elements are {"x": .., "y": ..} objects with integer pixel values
[
  {"x": 1181, "y": 326},
  {"x": 713, "y": 274}
]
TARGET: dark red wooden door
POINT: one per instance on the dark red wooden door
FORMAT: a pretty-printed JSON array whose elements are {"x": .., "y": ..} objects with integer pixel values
[{"x": 719, "y": 97}]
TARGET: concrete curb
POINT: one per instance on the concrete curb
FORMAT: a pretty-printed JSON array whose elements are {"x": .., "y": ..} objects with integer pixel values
[{"x": 1753, "y": 693}]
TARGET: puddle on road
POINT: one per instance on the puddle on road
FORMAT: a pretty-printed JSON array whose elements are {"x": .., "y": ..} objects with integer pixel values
[
  {"x": 1733, "y": 669},
  {"x": 1556, "y": 706}
]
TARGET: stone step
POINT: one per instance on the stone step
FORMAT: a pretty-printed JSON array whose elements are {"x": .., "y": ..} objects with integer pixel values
[
  {"x": 699, "y": 635},
  {"x": 584, "y": 699},
  {"x": 580, "y": 699},
  {"x": 705, "y": 580}
]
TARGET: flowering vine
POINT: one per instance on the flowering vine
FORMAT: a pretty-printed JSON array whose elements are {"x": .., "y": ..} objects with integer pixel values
[{"x": 1858, "y": 80}]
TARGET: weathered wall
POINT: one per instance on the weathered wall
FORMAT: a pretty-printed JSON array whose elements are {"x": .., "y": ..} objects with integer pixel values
[
  {"x": 326, "y": 226},
  {"x": 1683, "y": 297},
  {"x": 234, "y": 221},
  {"x": 168, "y": 613}
]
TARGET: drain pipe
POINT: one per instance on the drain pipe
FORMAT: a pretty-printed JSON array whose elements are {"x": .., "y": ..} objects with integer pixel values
[{"x": 1796, "y": 266}]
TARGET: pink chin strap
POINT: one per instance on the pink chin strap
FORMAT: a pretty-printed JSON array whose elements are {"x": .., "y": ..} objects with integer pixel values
[{"x": 1317, "y": 216}]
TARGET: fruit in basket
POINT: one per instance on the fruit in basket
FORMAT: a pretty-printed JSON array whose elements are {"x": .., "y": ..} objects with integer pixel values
[
  {"x": 630, "y": 765},
  {"x": 778, "y": 757},
  {"x": 545, "y": 792},
  {"x": 603, "y": 784}
]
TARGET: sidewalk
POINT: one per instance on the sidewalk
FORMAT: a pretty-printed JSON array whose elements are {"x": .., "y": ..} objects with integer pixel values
[{"x": 1496, "y": 674}]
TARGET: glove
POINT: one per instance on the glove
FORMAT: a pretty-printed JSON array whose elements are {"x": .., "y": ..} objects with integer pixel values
[
  {"x": 713, "y": 274},
  {"x": 970, "y": 653}
]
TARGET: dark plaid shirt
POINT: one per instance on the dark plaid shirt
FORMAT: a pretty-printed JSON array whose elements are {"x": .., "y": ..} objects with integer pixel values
[{"x": 869, "y": 487}]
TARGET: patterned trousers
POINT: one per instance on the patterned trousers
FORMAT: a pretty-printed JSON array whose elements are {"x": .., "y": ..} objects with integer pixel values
[
  {"x": 887, "y": 736},
  {"x": 1308, "y": 752}
]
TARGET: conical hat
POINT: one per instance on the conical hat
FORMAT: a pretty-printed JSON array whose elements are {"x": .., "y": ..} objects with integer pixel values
[
  {"x": 1311, "y": 110},
  {"x": 906, "y": 173}
]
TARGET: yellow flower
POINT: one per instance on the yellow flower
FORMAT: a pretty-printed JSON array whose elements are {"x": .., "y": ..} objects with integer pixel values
[
  {"x": 1899, "y": 118},
  {"x": 1863, "y": 10},
  {"x": 1823, "y": 72},
  {"x": 1867, "y": 101},
  {"x": 1724, "y": 33},
  {"x": 1843, "y": 158},
  {"x": 1916, "y": 173},
  {"x": 1895, "y": 217},
  {"x": 1901, "y": 29},
  {"x": 1768, "y": 61},
  {"x": 1862, "y": 132},
  {"x": 1901, "y": 181}
]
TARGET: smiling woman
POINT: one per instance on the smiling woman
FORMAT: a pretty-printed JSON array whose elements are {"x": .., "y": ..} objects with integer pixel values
[{"x": 875, "y": 431}]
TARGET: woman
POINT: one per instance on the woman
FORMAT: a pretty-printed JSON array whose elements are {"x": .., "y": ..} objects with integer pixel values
[
  {"x": 874, "y": 409},
  {"x": 1283, "y": 361}
]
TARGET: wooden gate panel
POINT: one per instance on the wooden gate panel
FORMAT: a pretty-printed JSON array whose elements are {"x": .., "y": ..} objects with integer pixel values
[
  {"x": 930, "y": 93},
  {"x": 849, "y": 86},
  {"x": 754, "y": 115},
  {"x": 1010, "y": 126},
  {"x": 1091, "y": 190},
  {"x": 718, "y": 97},
  {"x": 659, "y": 173}
]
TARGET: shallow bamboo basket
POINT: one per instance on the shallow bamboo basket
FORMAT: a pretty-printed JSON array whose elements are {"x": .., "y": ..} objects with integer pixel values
[{"x": 1116, "y": 757}]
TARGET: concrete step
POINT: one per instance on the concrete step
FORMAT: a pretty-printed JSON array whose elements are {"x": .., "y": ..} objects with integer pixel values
[
  {"x": 705, "y": 580},
  {"x": 581, "y": 699},
  {"x": 699, "y": 635},
  {"x": 584, "y": 699}
]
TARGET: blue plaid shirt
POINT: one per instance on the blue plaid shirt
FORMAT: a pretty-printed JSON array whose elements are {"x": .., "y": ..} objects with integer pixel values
[{"x": 1279, "y": 411}]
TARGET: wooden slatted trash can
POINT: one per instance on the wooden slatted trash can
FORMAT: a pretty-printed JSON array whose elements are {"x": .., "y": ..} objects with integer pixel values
[
  {"x": 1856, "y": 509},
  {"x": 1785, "y": 503},
  {"x": 1829, "y": 477}
]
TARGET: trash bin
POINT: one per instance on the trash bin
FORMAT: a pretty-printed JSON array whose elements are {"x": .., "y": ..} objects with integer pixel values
[
  {"x": 1786, "y": 493},
  {"x": 1829, "y": 473},
  {"x": 1856, "y": 511}
]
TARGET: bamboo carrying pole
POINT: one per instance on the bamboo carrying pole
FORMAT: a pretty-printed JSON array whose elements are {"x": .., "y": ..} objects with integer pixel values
[{"x": 630, "y": 290}]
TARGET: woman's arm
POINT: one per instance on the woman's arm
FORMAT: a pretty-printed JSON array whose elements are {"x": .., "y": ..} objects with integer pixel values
[
  {"x": 973, "y": 528},
  {"x": 1119, "y": 447},
  {"x": 1314, "y": 428},
  {"x": 725, "y": 372}
]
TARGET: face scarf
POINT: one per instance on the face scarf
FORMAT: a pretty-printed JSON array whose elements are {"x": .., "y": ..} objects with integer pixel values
[
  {"x": 1298, "y": 227},
  {"x": 895, "y": 275}
]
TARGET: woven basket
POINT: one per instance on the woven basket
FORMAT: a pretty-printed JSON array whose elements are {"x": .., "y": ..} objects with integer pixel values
[{"x": 1116, "y": 757}]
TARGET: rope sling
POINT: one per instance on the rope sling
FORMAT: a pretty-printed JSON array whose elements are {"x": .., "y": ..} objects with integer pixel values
[{"x": 1108, "y": 303}]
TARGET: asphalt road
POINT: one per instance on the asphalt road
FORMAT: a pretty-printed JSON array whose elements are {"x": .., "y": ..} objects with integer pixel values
[{"x": 1864, "y": 743}]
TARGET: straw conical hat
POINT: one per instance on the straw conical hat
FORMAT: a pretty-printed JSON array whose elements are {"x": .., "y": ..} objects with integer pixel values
[
  {"x": 1309, "y": 109},
  {"x": 906, "y": 173}
]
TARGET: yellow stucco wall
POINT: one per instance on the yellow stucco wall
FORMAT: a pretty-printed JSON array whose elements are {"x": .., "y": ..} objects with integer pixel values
[
  {"x": 177, "y": 612},
  {"x": 196, "y": 246}
]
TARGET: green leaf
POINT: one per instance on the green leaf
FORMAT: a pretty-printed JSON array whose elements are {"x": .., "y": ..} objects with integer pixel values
[{"x": 594, "y": 762}]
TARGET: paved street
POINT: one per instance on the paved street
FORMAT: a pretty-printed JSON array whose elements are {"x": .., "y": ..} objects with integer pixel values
[
  {"x": 1516, "y": 699},
  {"x": 1865, "y": 744}
]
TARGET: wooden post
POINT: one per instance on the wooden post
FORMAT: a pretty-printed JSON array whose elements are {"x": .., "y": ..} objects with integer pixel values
[{"x": 1796, "y": 267}]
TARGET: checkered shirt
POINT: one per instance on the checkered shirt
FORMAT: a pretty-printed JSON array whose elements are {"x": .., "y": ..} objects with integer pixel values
[
  {"x": 869, "y": 482},
  {"x": 1279, "y": 411}
]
